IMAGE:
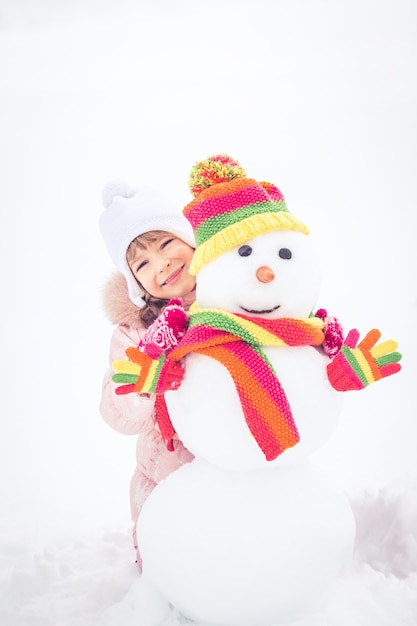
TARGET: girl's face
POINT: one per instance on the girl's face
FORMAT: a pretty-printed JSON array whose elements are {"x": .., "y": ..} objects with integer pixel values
[{"x": 161, "y": 267}]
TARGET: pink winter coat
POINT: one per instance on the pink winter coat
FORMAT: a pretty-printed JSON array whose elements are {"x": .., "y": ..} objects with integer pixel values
[{"x": 133, "y": 414}]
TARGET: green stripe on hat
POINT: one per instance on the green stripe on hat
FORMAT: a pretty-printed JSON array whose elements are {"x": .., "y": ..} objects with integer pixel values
[{"x": 214, "y": 224}]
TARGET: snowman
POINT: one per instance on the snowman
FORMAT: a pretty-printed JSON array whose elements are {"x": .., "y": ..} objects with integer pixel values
[{"x": 251, "y": 532}]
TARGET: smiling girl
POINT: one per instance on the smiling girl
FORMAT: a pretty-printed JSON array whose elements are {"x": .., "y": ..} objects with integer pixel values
[
  {"x": 160, "y": 261},
  {"x": 151, "y": 244}
]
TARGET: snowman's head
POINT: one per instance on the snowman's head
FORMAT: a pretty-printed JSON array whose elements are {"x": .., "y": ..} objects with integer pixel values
[
  {"x": 252, "y": 256},
  {"x": 273, "y": 275}
]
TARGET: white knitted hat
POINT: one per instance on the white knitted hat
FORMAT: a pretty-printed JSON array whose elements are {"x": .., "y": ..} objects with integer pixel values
[{"x": 131, "y": 212}]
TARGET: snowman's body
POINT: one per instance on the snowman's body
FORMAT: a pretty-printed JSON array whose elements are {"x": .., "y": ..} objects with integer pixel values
[
  {"x": 232, "y": 538},
  {"x": 209, "y": 394},
  {"x": 245, "y": 548}
]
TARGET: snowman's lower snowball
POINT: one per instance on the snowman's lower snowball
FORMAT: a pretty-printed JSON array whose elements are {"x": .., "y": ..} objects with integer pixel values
[{"x": 243, "y": 548}]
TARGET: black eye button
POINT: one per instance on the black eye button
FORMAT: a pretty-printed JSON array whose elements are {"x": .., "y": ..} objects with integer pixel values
[
  {"x": 245, "y": 251},
  {"x": 284, "y": 253}
]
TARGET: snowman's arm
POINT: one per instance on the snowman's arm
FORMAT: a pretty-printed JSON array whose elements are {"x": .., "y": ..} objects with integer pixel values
[
  {"x": 357, "y": 366},
  {"x": 142, "y": 374}
]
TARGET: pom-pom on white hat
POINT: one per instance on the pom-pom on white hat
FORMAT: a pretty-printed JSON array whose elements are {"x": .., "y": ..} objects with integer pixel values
[{"x": 130, "y": 212}]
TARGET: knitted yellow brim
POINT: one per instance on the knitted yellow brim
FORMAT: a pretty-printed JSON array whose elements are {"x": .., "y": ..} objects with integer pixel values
[{"x": 240, "y": 232}]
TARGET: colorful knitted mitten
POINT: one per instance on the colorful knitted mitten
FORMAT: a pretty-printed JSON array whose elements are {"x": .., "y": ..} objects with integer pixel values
[
  {"x": 142, "y": 374},
  {"x": 357, "y": 366},
  {"x": 166, "y": 331}
]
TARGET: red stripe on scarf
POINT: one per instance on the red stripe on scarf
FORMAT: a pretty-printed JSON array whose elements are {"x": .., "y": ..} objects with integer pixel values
[{"x": 264, "y": 403}]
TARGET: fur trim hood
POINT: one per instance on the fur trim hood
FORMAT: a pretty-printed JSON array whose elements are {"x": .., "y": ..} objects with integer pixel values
[{"x": 118, "y": 307}]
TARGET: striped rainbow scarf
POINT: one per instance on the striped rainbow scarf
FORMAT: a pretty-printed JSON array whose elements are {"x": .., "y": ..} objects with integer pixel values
[{"x": 236, "y": 341}]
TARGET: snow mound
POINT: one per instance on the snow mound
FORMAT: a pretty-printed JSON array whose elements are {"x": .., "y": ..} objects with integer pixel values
[
  {"x": 94, "y": 581},
  {"x": 386, "y": 535}
]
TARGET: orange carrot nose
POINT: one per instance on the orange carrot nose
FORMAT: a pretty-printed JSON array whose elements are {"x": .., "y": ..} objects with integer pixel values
[{"x": 264, "y": 274}]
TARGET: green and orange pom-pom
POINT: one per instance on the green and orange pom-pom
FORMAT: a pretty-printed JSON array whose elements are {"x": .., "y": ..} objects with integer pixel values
[{"x": 219, "y": 168}]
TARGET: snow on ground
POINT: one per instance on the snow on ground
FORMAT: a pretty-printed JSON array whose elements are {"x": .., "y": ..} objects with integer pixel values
[{"x": 92, "y": 581}]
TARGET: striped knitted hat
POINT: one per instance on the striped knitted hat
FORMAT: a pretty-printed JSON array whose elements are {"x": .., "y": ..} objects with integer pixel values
[{"x": 229, "y": 209}]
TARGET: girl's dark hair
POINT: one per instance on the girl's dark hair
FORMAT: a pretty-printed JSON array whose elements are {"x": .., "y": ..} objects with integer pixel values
[
  {"x": 152, "y": 309},
  {"x": 153, "y": 306}
]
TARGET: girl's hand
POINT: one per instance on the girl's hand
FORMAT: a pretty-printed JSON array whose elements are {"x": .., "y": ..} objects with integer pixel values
[{"x": 166, "y": 331}]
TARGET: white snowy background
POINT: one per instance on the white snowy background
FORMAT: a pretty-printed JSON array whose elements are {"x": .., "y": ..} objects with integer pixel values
[{"x": 319, "y": 97}]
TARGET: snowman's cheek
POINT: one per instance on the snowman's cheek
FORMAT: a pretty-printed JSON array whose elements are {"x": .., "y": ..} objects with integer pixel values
[{"x": 226, "y": 293}]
